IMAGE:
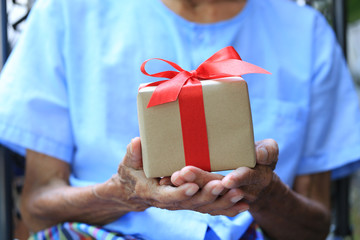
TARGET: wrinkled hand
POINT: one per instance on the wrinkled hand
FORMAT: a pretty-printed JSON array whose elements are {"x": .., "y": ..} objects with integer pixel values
[
  {"x": 243, "y": 186},
  {"x": 253, "y": 182},
  {"x": 135, "y": 192}
]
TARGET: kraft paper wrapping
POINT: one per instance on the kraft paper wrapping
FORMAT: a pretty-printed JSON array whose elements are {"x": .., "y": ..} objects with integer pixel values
[{"x": 229, "y": 129}]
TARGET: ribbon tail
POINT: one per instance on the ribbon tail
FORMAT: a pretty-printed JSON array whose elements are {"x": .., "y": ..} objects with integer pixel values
[{"x": 228, "y": 68}]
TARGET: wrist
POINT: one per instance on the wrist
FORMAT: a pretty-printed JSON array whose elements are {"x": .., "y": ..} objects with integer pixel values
[
  {"x": 111, "y": 192},
  {"x": 274, "y": 192},
  {"x": 119, "y": 194}
]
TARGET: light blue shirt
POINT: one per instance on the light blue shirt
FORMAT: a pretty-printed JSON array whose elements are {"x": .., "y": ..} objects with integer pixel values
[{"x": 69, "y": 90}]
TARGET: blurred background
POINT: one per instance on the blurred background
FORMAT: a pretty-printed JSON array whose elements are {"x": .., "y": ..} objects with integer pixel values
[
  {"x": 17, "y": 11},
  {"x": 353, "y": 34}
]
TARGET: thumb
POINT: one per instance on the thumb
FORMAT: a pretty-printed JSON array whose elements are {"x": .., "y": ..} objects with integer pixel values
[
  {"x": 267, "y": 152},
  {"x": 133, "y": 158}
]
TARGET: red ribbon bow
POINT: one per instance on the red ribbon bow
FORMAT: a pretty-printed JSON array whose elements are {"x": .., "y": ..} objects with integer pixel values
[
  {"x": 224, "y": 63},
  {"x": 186, "y": 87}
]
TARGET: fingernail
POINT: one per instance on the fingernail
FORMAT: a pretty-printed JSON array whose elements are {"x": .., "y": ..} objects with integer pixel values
[
  {"x": 217, "y": 190},
  {"x": 191, "y": 190},
  {"x": 175, "y": 179},
  {"x": 236, "y": 198},
  {"x": 263, "y": 154},
  {"x": 227, "y": 182},
  {"x": 131, "y": 146},
  {"x": 189, "y": 176}
]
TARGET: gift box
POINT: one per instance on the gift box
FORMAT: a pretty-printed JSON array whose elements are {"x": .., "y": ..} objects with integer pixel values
[{"x": 200, "y": 118}]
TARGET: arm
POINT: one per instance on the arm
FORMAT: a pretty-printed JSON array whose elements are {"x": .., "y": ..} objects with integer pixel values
[
  {"x": 301, "y": 213},
  {"x": 48, "y": 199}
]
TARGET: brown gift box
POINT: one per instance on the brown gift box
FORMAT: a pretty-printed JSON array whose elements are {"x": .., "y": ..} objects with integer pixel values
[{"x": 228, "y": 123}]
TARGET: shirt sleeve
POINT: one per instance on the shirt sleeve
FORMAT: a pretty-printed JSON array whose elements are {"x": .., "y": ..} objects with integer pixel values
[
  {"x": 333, "y": 128},
  {"x": 34, "y": 107}
]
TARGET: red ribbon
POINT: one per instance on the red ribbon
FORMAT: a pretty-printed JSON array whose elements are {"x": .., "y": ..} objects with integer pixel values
[{"x": 186, "y": 87}]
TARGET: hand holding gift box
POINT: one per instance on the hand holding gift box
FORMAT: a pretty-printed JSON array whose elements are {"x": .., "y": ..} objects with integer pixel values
[{"x": 189, "y": 121}]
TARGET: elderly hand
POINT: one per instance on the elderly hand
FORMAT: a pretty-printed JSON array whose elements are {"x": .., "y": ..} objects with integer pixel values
[
  {"x": 245, "y": 185},
  {"x": 135, "y": 192}
]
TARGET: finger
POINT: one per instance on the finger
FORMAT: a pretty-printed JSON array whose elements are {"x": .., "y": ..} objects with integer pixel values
[
  {"x": 267, "y": 152},
  {"x": 205, "y": 196},
  {"x": 222, "y": 204},
  {"x": 195, "y": 175},
  {"x": 169, "y": 197},
  {"x": 133, "y": 158},
  {"x": 176, "y": 179},
  {"x": 244, "y": 176},
  {"x": 234, "y": 210}
]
